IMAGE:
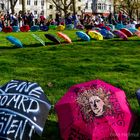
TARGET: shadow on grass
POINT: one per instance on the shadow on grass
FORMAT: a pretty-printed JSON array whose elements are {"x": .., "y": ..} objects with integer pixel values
[
  {"x": 24, "y": 46},
  {"x": 135, "y": 133},
  {"x": 79, "y": 40},
  {"x": 46, "y": 44},
  {"x": 124, "y": 40},
  {"x": 51, "y": 131},
  {"x": 28, "y": 46},
  {"x": 9, "y": 48},
  {"x": 39, "y": 44}
]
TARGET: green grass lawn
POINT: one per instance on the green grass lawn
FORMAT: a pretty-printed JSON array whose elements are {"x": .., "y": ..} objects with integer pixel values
[{"x": 114, "y": 61}]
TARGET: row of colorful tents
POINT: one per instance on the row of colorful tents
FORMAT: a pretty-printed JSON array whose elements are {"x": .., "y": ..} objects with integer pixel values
[{"x": 93, "y": 110}]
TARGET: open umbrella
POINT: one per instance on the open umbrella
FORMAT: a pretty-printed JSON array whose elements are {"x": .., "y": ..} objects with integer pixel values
[
  {"x": 138, "y": 95},
  {"x": 109, "y": 35},
  {"x": 7, "y": 29},
  {"x": 23, "y": 110},
  {"x": 94, "y": 110},
  {"x": 52, "y": 27},
  {"x": 119, "y": 26},
  {"x": 80, "y": 27},
  {"x": 44, "y": 28},
  {"x": 120, "y": 34},
  {"x": 25, "y": 28},
  {"x": 103, "y": 32},
  {"x": 34, "y": 28},
  {"x": 15, "y": 41},
  {"x": 127, "y": 32},
  {"x": 69, "y": 26},
  {"x": 52, "y": 38},
  {"x": 64, "y": 36},
  {"x": 95, "y": 35},
  {"x": 137, "y": 33},
  {"x": 39, "y": 39},
  {"x": 15, "y": 28},
  {"x": 83, "y": 35},
  {"x": 60, "y": 27}
]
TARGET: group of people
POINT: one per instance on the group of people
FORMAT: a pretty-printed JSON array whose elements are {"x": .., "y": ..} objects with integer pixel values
[
  {"x": 19, "y": 19},
  {"x": 92, "y": 20}
]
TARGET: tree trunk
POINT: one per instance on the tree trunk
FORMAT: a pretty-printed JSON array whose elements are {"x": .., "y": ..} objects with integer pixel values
[
  {"x": 74, "y": 9},
  {"x": 65, "y": 15},
  {"x": 12, "y": 7},
  {"x": 137, "y": 13},
  {"x": 12, "y": 10},
  {"x": 130, "y": 13},
  {"x": 23, "y": 6}
]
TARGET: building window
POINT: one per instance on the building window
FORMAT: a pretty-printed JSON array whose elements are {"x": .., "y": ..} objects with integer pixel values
[
  {"x": 105, "y": 7},
  {"x": 28, "y": 2},
  {"x": 51, "y": 7},
  {"x": 35, "y": 2},
  {"x": 50, "y": 16},
  {"x": 79, "y": 8},
  {"x": 20, "y": 2},
  {"x": 86, "y": 5},
  {"x": 35, "y": 12},
  {"x": 2, "y": 6},
  {"x": 91, "y": 5},
  {"x": 42, "y": 2},
  {"x": 42, "y": 12},
  {"x": 102, "y": 6},
  {"x": 109, "y": 7},
  {"x": 99, "y": 6}
]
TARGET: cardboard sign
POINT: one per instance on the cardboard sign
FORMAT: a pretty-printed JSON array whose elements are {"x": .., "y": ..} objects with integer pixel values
[{"x": 23, "y": 110}]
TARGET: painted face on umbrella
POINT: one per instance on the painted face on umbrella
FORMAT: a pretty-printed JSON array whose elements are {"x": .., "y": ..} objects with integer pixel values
[
  {"x": 93, "y": 103},
  {"x": 97, "y": 105}
]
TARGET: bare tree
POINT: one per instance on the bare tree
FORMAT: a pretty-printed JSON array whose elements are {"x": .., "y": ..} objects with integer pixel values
[
  {"x": 63, "y": 5},
  {"x": 12, "y": 5},
  {"x": 129, "y": 6},
  {"x": 5, "y": 5}
]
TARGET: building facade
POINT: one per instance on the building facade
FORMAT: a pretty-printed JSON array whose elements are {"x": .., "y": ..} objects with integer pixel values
[
  {"x": 99, "y": 6},
  {"x": 3, "y": 5},
  {"x": 34, "y": 6},
  {"x": 45, "y": 7}
]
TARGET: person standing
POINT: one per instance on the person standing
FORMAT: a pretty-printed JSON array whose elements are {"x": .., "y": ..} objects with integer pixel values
[
  {"x": 120, "y": 17},
  {"x": 75, "y": 19},
  {"x": 35, "y": 18}
]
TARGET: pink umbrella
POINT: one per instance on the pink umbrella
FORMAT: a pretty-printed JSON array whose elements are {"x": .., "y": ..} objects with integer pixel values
[{"x": 94, "y": 110}]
